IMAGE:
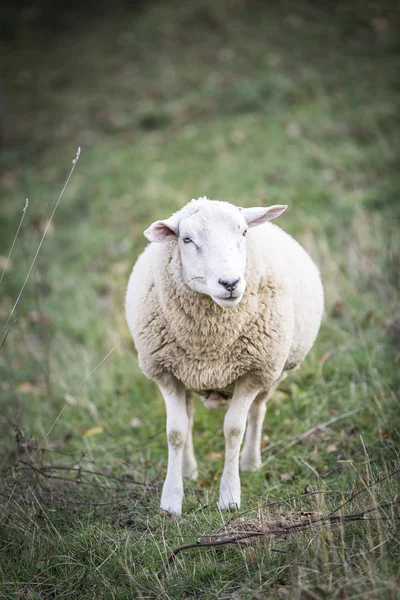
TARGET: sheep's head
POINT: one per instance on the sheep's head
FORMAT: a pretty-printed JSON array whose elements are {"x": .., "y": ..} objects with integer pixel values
[{"x": 211, "y": 237}]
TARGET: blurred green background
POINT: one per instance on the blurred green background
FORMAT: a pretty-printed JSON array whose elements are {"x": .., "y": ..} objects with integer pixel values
[{"x": 246, "y": 101}]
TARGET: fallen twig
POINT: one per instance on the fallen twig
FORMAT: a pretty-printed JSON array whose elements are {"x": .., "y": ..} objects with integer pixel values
[
  {"x": 279, "y": 530},
  {"x": 44, "y": 472},
  {"x": 286, "y": 500}
]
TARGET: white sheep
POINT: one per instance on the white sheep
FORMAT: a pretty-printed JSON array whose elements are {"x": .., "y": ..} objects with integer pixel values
[{"x": 213, "y": 311}]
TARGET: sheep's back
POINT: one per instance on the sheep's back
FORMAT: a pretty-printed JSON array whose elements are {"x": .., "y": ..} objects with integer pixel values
[{"x": 294, "y": 269}]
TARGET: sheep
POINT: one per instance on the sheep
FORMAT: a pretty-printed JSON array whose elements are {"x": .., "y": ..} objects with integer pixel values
[{"x": 222, "y": 303}]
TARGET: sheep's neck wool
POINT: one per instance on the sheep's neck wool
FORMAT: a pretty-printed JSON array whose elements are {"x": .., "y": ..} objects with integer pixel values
[{"x": 203, "y": 345}]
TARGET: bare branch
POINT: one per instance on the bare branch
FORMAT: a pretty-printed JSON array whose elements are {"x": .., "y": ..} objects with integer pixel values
[
  {"x": 44, "y": 472},
  {"x": 279, "y": 530}
]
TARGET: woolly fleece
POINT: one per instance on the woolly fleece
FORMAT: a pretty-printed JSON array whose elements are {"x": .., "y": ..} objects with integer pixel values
[{"x": 207, "y": 347}]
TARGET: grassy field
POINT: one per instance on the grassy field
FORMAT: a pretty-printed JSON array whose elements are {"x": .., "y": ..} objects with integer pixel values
[{"x": 255, "y": 103}]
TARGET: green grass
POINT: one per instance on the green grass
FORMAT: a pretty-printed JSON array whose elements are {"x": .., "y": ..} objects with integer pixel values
[{"x": 290, "y": 102}]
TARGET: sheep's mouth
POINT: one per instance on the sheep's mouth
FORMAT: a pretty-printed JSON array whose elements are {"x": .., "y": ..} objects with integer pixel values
[{"x": 227, "y": 301}]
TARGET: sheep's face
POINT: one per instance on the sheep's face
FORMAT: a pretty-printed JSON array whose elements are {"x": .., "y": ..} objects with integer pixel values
[
  {"x": 211, "y": 237},
  {"x": 213, "y": 254}
]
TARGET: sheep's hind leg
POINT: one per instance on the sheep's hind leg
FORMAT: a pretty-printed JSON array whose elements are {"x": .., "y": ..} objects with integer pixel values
[
  {"x": 250, "y": 459},
  {"x": 174, "y": 395},
  {"x": 234, "y": 425},
  {"x": 251, "y": 454},
  {"x": 189, "y": 461}
]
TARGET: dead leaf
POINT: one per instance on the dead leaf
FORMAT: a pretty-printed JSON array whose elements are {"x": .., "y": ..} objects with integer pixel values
[
  {"x": 380, "y": 24},
  {"x": 353, "y": 431},
  {"x": 338, "y": 308},
  {"x": 265, "y": 441},
  {"x": 25, "y": 387},
  {"x": 135, "y": 422},
  {"x": 9, "y": 181},
  {"x": 331, "y": 448},
  {"x": 279, "y": 396},
  {"x": 88, "y": 432},
  {"x": 36, "y": 318},
  {"x": 318, "y": 435},
  {"x": 253, "y": 556},
  {"x": 204, "y": 483},
  {"x": 48, "y": 554},
  {"x": 214, "y": 456},
  {"x": 384, "y": 433},
  {"x": 296, "y": 516},
  {"x": 287, "y": 476}
]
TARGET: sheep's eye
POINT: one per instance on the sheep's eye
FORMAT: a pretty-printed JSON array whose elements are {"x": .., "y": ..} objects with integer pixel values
[
  {"x": 187, "y": 240},
  {"x": 245, "y": 233}
]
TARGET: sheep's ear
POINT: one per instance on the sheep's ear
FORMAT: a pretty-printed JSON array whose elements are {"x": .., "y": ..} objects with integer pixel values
[
  {"x": 162, "y": 231},
  {"x": 255, "y": 216}
]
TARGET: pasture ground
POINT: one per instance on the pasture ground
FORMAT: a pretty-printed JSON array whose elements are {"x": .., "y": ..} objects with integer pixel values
[{"x": 289, "y": 102}]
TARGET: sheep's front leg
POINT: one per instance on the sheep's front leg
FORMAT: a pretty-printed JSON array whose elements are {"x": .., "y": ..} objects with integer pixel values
[
  {"x": 174, "y": 395},
  {"x": 234, "y": 427},
  {"x": 189, "y": 460}
]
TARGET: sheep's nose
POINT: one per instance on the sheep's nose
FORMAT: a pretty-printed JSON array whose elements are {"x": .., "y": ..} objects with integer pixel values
[{"x": 229, "y": 284}]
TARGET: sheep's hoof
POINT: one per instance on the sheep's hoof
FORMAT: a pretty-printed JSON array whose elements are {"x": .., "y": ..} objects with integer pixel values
[
  {"x": 190, "y": 471},
  {"x": 171, "y": 501},
  {"x": 192, "y": 475},
  {"x": 170, "y": 508},
  {"x": 250, "y": 465},
  {"x": 229, "y": 500},
  {"x": 229, "y": 492},
  {"x": 224, "y": 505}
]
